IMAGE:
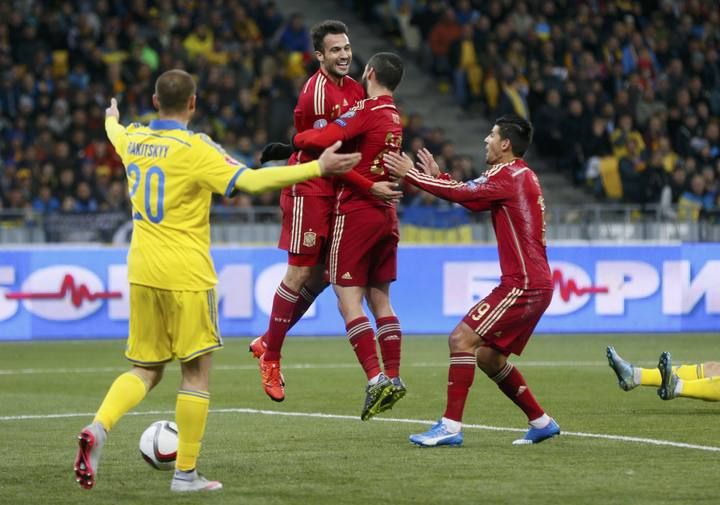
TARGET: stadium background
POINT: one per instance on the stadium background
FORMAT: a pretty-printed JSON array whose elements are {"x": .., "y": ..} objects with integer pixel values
[
  {"x": 624, "y": 96},
  {"x": 625, "y": 99}
]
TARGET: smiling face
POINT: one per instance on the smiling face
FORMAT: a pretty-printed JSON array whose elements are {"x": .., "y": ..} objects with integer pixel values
[
  {"x": 496, "y": 148},
  {"x": 336, "y": 56}
]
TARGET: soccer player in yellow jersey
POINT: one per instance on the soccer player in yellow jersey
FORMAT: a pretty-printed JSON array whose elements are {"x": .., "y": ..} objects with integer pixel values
[
  {"x": 699, "y": 381},
  {"x": 172, "y": 173}
]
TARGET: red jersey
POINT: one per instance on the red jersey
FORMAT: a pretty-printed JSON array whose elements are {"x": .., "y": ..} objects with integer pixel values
[
  {"x": 320, "y": 102},
  {"x": 371, "y": 127},
  {"x": 511, "y": 192}
]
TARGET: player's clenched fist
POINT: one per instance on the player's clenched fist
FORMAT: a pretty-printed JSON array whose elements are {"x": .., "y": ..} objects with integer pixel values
[{"x": 333, "y": 163}]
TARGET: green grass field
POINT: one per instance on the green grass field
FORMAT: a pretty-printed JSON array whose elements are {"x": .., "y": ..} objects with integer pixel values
[{"x": 264, "y": 457}]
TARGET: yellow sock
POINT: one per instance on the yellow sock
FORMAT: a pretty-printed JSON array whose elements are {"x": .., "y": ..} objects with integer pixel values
[
  {"x": 191, "y": 412},
  {"x": 690, "y": 372},
  {"x": 127, "y": 391},
  {"x": 650, "y": 377},
  {"x": 702, "y": 389}
]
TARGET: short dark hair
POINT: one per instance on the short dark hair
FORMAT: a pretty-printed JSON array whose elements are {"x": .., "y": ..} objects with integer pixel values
[
  {"x": 388, "y": 69},
  {"x": 517, "y": 130},
  {"x": 173, "y": 89},
  {"x": 329, "y": 26}
]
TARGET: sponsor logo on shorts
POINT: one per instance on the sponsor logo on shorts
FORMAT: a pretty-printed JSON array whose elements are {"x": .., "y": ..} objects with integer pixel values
[
  {"x": 341, "y": 122},
  {"x": 320, "y": 123},
  {"x": 346, "y": 276},
  {"x": 309, "y": 238}
]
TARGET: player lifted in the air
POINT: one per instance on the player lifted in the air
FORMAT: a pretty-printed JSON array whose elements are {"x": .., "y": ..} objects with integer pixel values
[
  {"x": 362, "y": 259},
  {"x": 307, "y": 207},
  {"x": 502, "y": 322}
]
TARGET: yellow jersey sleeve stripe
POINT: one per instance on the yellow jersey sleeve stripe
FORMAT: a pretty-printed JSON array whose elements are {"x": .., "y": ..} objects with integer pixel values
[{"x": 231, "y": 185}]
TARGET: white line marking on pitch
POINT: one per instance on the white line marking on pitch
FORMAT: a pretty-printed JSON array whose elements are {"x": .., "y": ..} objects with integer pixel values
[
  {"x": 291, "y": 366},
  {"x": 618, "y": 438}
]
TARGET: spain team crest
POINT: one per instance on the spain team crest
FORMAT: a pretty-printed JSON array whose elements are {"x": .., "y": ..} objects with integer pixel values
[{"x": 309, "y": 238}]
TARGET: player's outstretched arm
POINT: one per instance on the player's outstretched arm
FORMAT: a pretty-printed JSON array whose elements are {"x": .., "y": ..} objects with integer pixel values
[
  {"x": 115, "y": 131},
  {"x": 319, "y": 138},
  {"x": 272, "y": 178},
  {"x": 476, "y": 195}
]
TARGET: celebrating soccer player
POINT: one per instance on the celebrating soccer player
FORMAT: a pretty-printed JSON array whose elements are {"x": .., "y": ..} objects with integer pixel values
[
  {"x": 502, "y": 322},
  {"x": 172, "y": 173},
  {"x": 307, "y": 208},
  {"x": 363, "y": 250}
]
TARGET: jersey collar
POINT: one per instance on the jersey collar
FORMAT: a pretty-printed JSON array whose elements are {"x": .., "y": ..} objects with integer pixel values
[
  {"x": 166, "y": 124},
  {"x": 329, "y": 79}
]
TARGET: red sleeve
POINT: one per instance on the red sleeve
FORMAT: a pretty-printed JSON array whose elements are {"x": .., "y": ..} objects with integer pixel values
[
  {"x": 351, "y": 124},
  {"x": 319, "y": 138},
  {"x": 356, "y": 179},
  {"x": 476, "y": 195}
]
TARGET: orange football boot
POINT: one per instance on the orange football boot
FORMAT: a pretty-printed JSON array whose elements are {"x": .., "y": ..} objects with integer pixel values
[
  {"x": 257, "y": 347},
  {"x": 272, "y": 379}
]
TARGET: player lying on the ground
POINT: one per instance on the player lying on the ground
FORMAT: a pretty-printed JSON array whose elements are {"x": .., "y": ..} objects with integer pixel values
[
  {"x": 699, "y": 381},
  {"x": 362, "y": 260},
  {"x": 502, "y": 322},
  {"x": 172, "y": 174}
]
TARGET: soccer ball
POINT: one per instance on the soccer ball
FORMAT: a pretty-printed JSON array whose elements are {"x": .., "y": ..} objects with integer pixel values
[{"x": 159, "y": 443}]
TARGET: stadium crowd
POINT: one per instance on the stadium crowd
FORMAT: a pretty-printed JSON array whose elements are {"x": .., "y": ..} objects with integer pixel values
[
  {"x": 60, "y": 62},
  {"x": 624, "y": 96}
]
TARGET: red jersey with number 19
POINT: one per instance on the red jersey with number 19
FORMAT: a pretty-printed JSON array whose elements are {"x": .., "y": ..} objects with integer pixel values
[{"x": 321, "y": 101}]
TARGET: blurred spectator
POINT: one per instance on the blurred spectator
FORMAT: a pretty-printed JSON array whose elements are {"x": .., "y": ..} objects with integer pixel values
[
  {"x": 695, "y": 199},
  {"x": 295, "y": 36},
  {"x": 632, "y": 168},
  {"x": 45, "y": 202},
  {"x": 441, "y": 37}
]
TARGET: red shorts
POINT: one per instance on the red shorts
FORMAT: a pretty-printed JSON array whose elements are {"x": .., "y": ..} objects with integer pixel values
[
  {"x": 363, "y": 248},
  {"x": 506, "y": 317},
  {"x": 305, "y": 228}
]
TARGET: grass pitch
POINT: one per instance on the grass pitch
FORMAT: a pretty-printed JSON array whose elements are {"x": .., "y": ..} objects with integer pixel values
[{"x": 270, "y": 453}]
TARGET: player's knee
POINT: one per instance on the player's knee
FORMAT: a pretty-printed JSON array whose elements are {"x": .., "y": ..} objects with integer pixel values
[
  {"x": 463, "y": 339},
  {"x": 151, "y": 376},
  {"x": 316, "y": 282},
  {"x": 711, "y": 369},
  {"x": 296, "y": 277}
]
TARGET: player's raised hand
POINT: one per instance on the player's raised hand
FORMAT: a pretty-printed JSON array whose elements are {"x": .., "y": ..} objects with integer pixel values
[
  {"x": 334, "y": 163},
  {"x": 386, "y": 191},
  {"x": 397, "y": 164},
  {"x": 112, "y": 111},
  {"x": 427, "y": 163}
]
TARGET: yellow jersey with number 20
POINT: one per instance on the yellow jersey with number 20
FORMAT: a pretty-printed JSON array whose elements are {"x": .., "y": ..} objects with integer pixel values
[{"x": 172, "y": 173}]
